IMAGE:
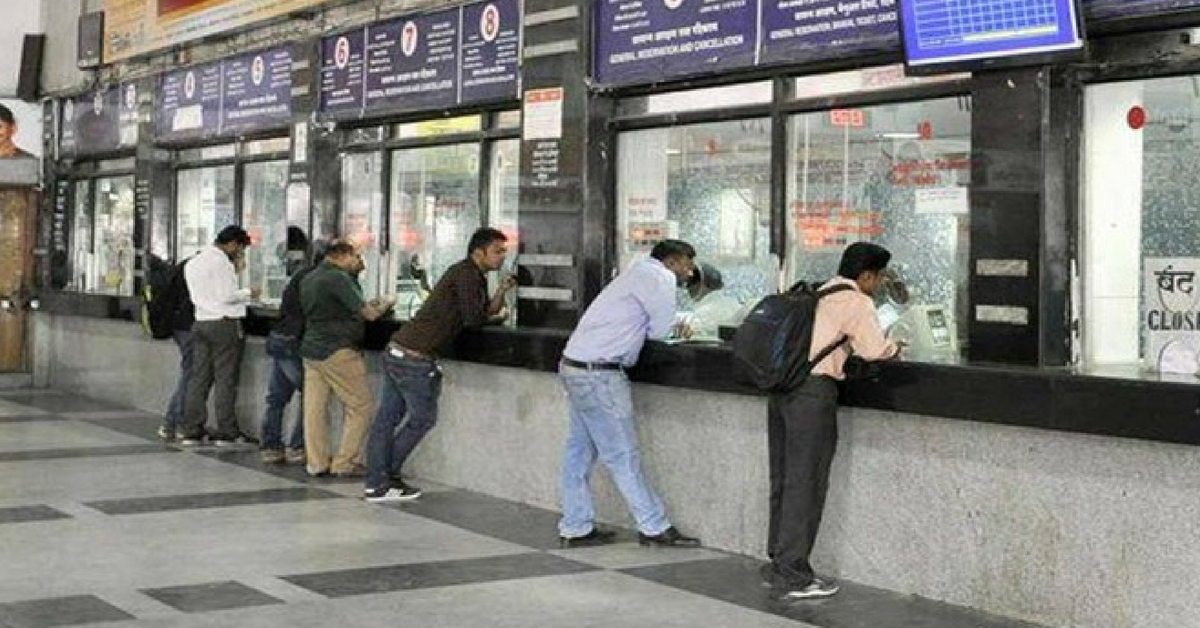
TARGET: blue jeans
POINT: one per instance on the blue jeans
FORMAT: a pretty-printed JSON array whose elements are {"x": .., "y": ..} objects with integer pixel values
[
  {"x": 602, "y": 426},
  {"x": 183, "y": 340},
  {"x": 287, "y": 377},
  {"x": 410, "y": 388}
]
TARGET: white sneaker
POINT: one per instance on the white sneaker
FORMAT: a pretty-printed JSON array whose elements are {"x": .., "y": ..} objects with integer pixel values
[
  {"x": 394, "y": 494},
  {"x": 816, "y": 589}
]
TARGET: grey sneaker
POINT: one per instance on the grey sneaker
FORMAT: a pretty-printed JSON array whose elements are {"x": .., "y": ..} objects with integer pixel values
[
  {"x": 295, "y": 455},
  {"x": 236, "y": 441},
  {"x": 814, "y": 590},
  {"x": 272, "y": 456},
  {"x": 190, "y": 441},
  {"x": 166, "y": 433}
]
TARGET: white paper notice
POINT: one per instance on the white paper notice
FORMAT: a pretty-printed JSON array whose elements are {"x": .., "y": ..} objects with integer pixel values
[
  {"x": 1171, "y": 314},
  {"x": 952, "y": 200},
  {"x": 543, "y": 115}
]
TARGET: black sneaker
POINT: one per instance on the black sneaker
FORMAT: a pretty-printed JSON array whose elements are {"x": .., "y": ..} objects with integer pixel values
[
  {"x": 815, "y": 590},
  {"x": 670, "y": 537},
  {"x": 591, "y": 539},
  {"x": 190, "y": 441},
  {"x": 234, "y": 441},
  {"x": 398, "y": 493}
]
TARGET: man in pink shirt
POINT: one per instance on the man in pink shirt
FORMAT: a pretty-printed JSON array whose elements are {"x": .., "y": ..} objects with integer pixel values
[{"x": 802, "y": 423}]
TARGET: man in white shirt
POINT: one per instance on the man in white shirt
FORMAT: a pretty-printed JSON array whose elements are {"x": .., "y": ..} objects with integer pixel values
[{"x": 216, "y": 336}]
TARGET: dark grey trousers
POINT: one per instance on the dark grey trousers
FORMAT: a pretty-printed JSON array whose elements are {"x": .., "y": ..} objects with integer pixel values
[
  {"x": 217, "y": 362},
  {"x": 801, "y": 440}
]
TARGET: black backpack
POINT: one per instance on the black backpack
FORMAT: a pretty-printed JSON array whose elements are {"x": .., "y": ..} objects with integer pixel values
[
  {"x": 166, "y": 303},
  {"x": 772, "y": 344}
]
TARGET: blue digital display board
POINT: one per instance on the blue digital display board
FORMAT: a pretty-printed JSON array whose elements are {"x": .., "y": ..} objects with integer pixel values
[{"x": 956, "y": 33}]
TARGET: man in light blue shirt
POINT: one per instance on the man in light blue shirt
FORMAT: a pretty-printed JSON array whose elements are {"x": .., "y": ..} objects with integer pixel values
[{"x": 638, "y": 304}]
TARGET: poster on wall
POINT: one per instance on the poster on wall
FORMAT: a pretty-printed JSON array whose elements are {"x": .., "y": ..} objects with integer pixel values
[
  {"x": 465, "y": 55},
  {"x": 647, "y": 40},
  {"x": 246, "y": 93},
  {"x": 412, "y": 63},
  {"x": 136, "y": 27},
  {"x": 796, "y": 30},
  {"x": 101, "y": 121},
  {"x": 257, "y": 91},
  {"x": 189, "y": 102},
  {"x": 491, "y": 50},
  {"x": 343, "y": 73},
  {"x": 1171, "y": 314},
  {"x": 20, "y": 137}
]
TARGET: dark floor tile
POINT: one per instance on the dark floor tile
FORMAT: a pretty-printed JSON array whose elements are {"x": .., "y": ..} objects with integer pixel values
[
  {"x": 491, "y": 516},
  {"x": 250, "y": 458},
  {"x": 138, "y": 426},
  {"x": 24, "y": 514},
  {"x": 59, "y": 611},
  {"x": 141, "y": 505},
  {"x": 83, "y": 452},
  {"x": 736, "y": 580},
  {"x": 214, "y": 596},
  {"x": 62, "y": 403},
  {"x": 33, "y": 418},
  {"x": 427, "y": 575}
]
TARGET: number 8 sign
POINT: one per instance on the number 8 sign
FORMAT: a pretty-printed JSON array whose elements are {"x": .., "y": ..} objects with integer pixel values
[{"x": 489, "y": 23}]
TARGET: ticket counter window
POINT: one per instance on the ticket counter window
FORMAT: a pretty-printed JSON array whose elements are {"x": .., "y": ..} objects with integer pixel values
[
  {"x": 505, "y": 184},
  {"x": 362, "y": 216},
  {"x": 708, "y": 184},
  {"x": 102, "y": 251},
  {"x": 113, "y": 239},
  {"x": 273, "y": 253},
  {"x": 896, "y": 175},
  {"x": 204, "y": 200},
  {"x": 82, "y": 273},
  {"x": 1140, "y": 252},
  {"x": 434, "y": 209}
]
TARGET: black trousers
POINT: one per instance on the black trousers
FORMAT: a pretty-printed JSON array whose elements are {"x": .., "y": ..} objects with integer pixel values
[
  {"x": 801, "y": 440},
  {"x": 217, "y": 347}
]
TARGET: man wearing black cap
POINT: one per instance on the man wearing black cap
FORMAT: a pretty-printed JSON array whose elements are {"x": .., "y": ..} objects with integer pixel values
[
  {"x": 217, "y": 336},
  {"x": 8, "y": 133}
]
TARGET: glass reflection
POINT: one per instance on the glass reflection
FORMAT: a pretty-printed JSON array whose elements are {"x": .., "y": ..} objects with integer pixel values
[
  {"x": 264, "y": 216},
  {"x": 205, "y": 202}
]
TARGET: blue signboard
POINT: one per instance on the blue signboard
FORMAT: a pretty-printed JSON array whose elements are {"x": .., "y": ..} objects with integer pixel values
[
  {"x": 257, "y": 92},
  {"x": 941, "y": 32},
  {"x": 412, "y": 63},
  {"x": 101, "y": 121},
  {"x": 189, "y": 103},
  {"x": 491, "y": 51},
  {"x": 810, "y": 30},
  {"x": 343, "y": 73},
  {"x": 650, "y": 40}
]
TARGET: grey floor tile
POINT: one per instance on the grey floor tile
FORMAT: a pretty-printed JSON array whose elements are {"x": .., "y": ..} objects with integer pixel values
[
  {"x": 249, "y": 458},
  {"x": 499, "y": 518},
  {"x": 197, "y": 501},
  {"x": 427, "y": 575},
  {"x": 108, "y": 415},
  {"x": 62, "y": 403},
  {"x": 736, "y": 580},
  {"x": 629, "y": 554},
  {"x": 144, "y": 427},
  {"x": 82, "y": 452},
  {"x": 24, "y": 514},
  {"x": 213, "y": 596},
  {"x": 8, "y": 408},
  {"x": 61, "y": 611}
]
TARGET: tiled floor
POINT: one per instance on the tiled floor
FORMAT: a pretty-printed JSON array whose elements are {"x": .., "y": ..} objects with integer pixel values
[{"x": 99, "y": 522}]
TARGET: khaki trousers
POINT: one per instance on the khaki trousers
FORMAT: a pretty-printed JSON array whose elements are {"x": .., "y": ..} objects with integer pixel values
[{"x": 345, "y": 374}]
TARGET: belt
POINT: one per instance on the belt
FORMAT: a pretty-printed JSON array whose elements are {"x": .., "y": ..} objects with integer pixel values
[
  {"x": 397, "y": 351},
  {"x": 592, "y": 366}
]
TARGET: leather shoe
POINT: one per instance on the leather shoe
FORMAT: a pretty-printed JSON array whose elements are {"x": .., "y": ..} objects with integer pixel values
[
  {"x": 670, "y": 537},
  {"x": 591, "y": 539}
]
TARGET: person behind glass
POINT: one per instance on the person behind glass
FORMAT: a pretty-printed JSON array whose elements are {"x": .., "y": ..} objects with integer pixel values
[
  {"x": 217, "y": 337},
  {"x": 713, "y": 306},
  {"x": 331, "y": 348},
  {"x": 638, "y": 304},
  {"x": 287, "y": 374},
  {"x": 802, "y": 424},
  {"x": 412, "y": 381}
]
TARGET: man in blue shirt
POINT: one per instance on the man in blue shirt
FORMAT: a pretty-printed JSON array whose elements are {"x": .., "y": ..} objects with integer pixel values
[{"x": 638, "y": 304}]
